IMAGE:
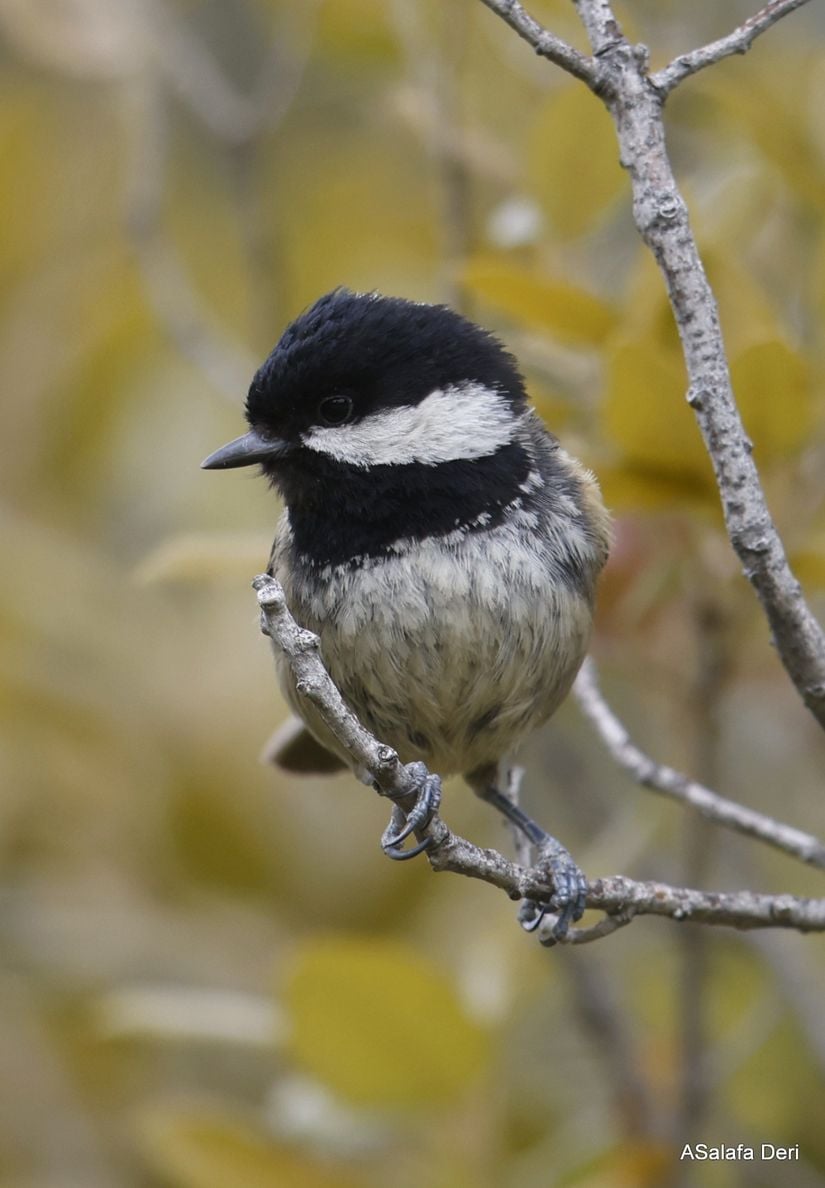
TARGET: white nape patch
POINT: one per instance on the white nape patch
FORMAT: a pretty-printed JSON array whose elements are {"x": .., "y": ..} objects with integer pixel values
[{"x": 462, "y": 421}]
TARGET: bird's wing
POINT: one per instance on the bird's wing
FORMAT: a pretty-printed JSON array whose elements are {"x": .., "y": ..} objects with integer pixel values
[{"x": 294, "y": 749}]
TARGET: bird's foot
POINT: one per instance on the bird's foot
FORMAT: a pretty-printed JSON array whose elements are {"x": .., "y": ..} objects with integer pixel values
[
  {"x": 569, "y": 898},
  {"x": 419, "y": 816}
]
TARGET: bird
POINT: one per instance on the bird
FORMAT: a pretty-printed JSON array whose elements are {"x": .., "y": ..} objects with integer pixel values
[{"x": 435, "y": 536}]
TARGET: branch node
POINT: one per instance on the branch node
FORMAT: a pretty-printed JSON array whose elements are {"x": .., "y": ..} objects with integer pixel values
[
  {"x": 307, "y": 641},
  {"x": 668, "y": 208},
  {"x": 605, "y": 50},
  {"x": 783, "y": 907},
  {"x": 269, "y": 591},
  {"x": 387, "y": 757}
]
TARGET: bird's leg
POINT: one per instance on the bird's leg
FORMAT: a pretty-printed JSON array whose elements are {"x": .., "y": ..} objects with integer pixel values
[
  {"x": 569, "y": 884},
  {"x": 428, "y": 799}
]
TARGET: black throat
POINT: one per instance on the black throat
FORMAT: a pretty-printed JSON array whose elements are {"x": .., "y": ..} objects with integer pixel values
[{"x": 341, "y": 514}]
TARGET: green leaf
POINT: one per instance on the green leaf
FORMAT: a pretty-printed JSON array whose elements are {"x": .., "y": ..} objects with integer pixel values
[{"x": 381, "y": 1025}]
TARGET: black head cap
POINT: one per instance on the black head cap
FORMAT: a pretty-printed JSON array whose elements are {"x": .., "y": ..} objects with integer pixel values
[{"x": 382, "y": 352}]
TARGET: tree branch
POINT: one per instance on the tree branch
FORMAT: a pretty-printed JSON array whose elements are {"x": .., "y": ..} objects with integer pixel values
[
  {"x": 661, "y": 218},
  {"x": 599, "y": 20},
  {"x": 661, "y": 778},
  {"x": 188, "y": 70},
  {"x": 183, "y": 315},
  {"x": 739, "y": 909},
  {"x": 737, "y": 42},
  {"x": 545, "y": 43},
  {"x": 619, "y": 897}
]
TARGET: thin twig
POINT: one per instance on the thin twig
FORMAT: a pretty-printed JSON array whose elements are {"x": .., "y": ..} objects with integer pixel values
[
  {"x": 545, "y": 43},
  {"x": 661, "y": 778},
  {"x": 619, "y": 897},
  {"x": 435, "y": 75},
  {"x": 711, "y": 648},
  {"x": 185, "y": 67},
  {"x": 799, "y": 980},
  {"x": 196, "y": 77},
  {"x": 737, "y": 42},
  {"x": 602, "y": 1017},
  {"x": 738, "y": 909},
  {"x": 183, "y": 315}
]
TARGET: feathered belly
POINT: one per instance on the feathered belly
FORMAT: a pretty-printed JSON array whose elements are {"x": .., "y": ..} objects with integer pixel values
[{"x": 444, "y": 660}]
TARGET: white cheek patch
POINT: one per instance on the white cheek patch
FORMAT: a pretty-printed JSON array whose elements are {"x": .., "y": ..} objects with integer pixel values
[{"x": 461, "y": 421}]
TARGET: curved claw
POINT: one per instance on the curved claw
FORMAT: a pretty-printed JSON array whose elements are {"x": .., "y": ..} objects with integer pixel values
[
  {"x": 531, "y": 914},
  {"x": 395, "y": 839},
  {"x": 569, "y": 898},
  {"x": 398, "y": 855},
  {"x": 570, "y": 903},
  {"x": 419, "y": 816}
]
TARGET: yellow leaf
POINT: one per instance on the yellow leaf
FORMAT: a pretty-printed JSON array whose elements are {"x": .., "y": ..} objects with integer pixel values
[
  {"x": 636, "y": 1163},
  {"x": 26, "y": 162},
  {"x": 646, "y": 416},
  {"x": 662, "y": 458},
  {"x": 47, "y": 227},
  {"x": 809, "y": 566},
  {"x": 768, "y": 111},
  {"x": 574, "y": 160},
  {"x": 199, "y": 1147},
  {"x": 194, "y": 556},
  {"x": 555, "y": 412},
  {"x": 772, "y": 388},
  {"x": 351, "y": 209},
  {"x": 565, "y": 311},
  {"x": 215, "y": 841},
  {"x": 356, "y": 32},
  {"x": 644, "y": 489},
  {"x": 380, "y": 1024},
  {"x": 112, "y": 338},
  {"x": 746, "y": 313}
]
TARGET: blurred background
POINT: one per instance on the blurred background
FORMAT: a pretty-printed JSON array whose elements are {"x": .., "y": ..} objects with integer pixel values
[{"x": 210, "y": 974}]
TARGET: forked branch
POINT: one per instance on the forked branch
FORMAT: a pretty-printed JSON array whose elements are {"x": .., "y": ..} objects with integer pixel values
[
  {"x": 737, "y": 42},
  {"x": 635, "y": 101}
]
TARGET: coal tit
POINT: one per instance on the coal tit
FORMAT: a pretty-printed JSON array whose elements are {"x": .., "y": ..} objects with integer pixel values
[{"x": 436, "y": 536}]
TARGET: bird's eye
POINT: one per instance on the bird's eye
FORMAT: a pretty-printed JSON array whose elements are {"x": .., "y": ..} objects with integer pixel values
[{"x": 335, "y": 410}]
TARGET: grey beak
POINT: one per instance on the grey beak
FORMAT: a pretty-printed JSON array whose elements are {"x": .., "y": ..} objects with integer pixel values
[{"x": 246, "y": 451}]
